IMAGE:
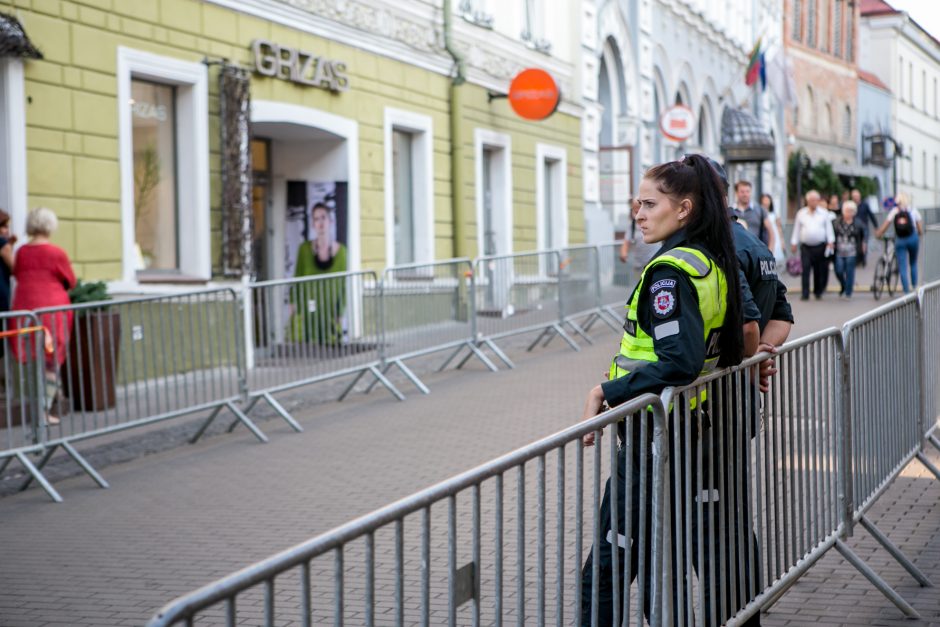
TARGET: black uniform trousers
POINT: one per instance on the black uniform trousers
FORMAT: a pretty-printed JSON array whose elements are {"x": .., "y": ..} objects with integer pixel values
[
  {"x": 813, "y": 258},
  {"x": 717, "y": 510}
]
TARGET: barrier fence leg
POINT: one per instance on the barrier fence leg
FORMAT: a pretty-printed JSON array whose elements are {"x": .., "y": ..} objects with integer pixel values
[
  {"x": 579, "y": 331},
  {"x": 545, "y": 331},
  {"x": 375, "y": 382},
  {"x": 567, "y": 338},
  {"x": 499, "y": 353},
  {"x": 388, "y": 384},
  {"x": 895, "y": 552},
  {"x": 83, "y": 463},
  {"x": 450, "y": 358},
  {"x": 479, "y": 355},
  {"x": 412, "y": 376},
  {"x": 933, "y": 440},
  {"x": 877, "y": 581},
  {"x": 205, "y": 425},
  {"x": 928, "y": 464},
  {"x": 6, "y": 462},
  {"x": 38, "y": 467},
  {"x": 245, "y": 420},
  {"x": 349, "y": 388},
  {"x": 283, "y": 413},
  {"x": 35, "y": 474}
]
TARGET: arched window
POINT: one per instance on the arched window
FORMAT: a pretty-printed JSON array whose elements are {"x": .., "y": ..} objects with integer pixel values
[
  {"x": 702, "y": 128},
  {"x": 797, "y": 32},
  {"x": 809, "y": 110},
  {"x": 847, "y": 124}
]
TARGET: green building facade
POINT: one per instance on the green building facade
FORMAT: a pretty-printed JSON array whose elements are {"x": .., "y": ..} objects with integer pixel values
[{"x": 118, "y": 129}]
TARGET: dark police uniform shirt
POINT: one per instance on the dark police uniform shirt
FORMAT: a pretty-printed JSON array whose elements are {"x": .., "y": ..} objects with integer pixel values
[
  {"x": 760, "y": 271},
  {"x": 674, "y": 322}
]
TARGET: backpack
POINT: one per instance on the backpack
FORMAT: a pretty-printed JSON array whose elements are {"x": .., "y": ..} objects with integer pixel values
[{"x": 903, "y": 223}]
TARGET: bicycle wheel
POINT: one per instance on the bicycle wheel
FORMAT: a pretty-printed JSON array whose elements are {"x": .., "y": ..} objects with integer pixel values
[
  {"x": 893, "y": 278},
  {"x": 878, "y": 279}
]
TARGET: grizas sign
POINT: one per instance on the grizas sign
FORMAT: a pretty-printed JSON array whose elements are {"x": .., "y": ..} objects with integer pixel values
[{"x": 298, "y": 66}]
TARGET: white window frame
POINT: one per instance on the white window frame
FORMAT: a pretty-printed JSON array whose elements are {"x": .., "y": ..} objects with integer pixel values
[
  {"x": 557, "y": 156},
  {"x": 13, "y": 141},
  {"x": 421, "y": 127},
  {"x": 484, "y": 138},
  {"x": 192, "y": 158}
]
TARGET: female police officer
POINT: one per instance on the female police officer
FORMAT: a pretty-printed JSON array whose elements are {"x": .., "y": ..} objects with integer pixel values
[{"x": 683, "y": 320}]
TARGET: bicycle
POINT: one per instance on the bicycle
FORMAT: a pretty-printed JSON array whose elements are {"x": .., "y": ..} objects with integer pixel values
[{"x": 887, "y": 276}]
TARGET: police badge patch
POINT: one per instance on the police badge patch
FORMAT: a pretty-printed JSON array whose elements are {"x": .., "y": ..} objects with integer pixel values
[{"x": 664, "y": 303}]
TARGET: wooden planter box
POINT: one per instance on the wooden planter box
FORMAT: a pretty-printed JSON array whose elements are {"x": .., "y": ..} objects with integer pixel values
[{"x": 90, "y": 380}]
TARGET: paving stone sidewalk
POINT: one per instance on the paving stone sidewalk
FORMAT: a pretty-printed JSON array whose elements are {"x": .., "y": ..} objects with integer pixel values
[{"x": 181, "y": 517}]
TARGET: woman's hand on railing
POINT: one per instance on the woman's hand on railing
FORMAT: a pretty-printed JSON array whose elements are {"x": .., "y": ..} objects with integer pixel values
[{"x": 593, "y": 406}]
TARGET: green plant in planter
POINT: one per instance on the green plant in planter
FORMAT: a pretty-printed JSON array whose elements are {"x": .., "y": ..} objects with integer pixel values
[{"x": 89, "y": 292}]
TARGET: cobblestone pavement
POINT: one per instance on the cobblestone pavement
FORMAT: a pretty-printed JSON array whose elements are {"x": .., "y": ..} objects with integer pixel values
[{"x": 184, "y": 515}]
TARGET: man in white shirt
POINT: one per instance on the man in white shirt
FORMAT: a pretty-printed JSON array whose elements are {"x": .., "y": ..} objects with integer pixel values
[{"x": 812, "y": 230}]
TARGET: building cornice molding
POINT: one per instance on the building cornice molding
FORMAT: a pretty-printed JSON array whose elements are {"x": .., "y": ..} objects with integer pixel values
[
  {"x": 411, "y": 33},
  {"x": 702, "y": 25}
]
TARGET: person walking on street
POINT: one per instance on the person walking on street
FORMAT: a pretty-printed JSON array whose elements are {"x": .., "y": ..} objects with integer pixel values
[
  {"x": 684, "y": 318},
  {"x": 812, "y": 232},
  {"x": 754, "y": 217},
  {"x": 848, "y": 235},
  {"x": 864, "y": 217},
  {"x": 908, "y": 227},
  {"x": 767, "y": 204}
]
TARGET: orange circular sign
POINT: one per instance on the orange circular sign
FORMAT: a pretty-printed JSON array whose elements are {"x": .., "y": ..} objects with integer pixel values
[{"x": 534, "y": 94}]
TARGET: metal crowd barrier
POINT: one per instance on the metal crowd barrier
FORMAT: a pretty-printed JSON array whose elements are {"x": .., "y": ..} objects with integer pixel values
[
  {"x": 116, "y": 365},
  {"x": 310, "y": 329},
  {"x": 929, "y": 298},
  {"x": 333, "y": 578},
  {"x": 756, "y": 481},
  {"x": 579, "y": 289},
  {"x": 24, "y": 425},
  {"x": 428, "y": 308},
  {"x": 615, "y": 281},
  {"x": 517, "y": 294}
]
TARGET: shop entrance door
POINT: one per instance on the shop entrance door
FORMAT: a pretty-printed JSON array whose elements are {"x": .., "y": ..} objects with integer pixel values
[{"x": 261, "y": 234}]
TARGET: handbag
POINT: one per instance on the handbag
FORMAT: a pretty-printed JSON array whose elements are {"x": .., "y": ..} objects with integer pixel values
[{"x": 794, "y": 266}]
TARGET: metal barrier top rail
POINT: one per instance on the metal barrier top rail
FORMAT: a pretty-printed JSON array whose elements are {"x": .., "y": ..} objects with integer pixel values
[{"x": 186, "y": 606}]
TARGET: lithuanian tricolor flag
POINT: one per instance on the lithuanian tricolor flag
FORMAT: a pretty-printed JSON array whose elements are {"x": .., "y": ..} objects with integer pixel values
[{"x": 754, "y": 65}]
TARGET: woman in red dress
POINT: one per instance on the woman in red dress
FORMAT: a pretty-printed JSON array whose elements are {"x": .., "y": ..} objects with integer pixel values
[{"x": 44, "y": 277}]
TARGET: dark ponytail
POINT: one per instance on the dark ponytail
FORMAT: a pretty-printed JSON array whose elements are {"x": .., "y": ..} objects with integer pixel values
[{"x": 709, "y": 225}]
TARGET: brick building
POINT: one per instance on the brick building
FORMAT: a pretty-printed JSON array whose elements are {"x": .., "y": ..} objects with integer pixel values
[{"x": 821, "y": 37}]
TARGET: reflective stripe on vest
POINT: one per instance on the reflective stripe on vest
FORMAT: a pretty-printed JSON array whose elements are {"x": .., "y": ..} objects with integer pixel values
[{"x": 636, "y": 349}]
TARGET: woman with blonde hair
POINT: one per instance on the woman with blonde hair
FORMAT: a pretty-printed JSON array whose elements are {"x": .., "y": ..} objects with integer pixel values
[{"x": 44, "y": 277}]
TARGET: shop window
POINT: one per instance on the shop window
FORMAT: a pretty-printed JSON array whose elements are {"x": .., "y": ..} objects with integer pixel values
[
  {"x": 153, "y": 120},
  {"x": 551, "y": 196},
  {"x": 403, "y": 184},
  {"x": 409, "y": 188},
  {"x": 164, "y": 152},
  {"x": 533, "y": 25}
]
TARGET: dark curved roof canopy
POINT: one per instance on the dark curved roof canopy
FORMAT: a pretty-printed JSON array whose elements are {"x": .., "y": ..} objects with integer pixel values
[
  {"x": 13, "y": 39},
  {"x": 743, "y": 138}
]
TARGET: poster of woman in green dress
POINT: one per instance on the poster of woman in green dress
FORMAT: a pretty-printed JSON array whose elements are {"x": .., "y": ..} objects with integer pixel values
[{"x": 318, "y": 305}]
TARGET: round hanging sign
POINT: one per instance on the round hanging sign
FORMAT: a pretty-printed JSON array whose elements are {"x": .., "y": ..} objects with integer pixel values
[
  {"x": 534, "y": 94},
  {"x": 677, "y": 123}
]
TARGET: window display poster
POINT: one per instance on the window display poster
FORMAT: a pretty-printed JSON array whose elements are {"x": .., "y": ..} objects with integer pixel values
[{"x": 315, "y": 244}]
